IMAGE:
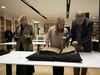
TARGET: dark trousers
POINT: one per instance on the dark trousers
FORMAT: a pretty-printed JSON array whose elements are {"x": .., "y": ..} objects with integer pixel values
[
  {"x": 58, "y": 70},
  {"x": 77, "y": 71},
  {"x": 24, "y": 69},
  {"x": 8, "y": 69},
  {"x": 9, "y": 66}
]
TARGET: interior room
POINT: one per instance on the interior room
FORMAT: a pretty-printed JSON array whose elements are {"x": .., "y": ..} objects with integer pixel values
[{"x": 43, "y": 14}]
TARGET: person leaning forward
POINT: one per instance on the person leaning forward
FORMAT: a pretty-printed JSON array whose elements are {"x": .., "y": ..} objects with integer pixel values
[
  {"x": 81, "y": 34},
  {"x": 56, "y": 36}
]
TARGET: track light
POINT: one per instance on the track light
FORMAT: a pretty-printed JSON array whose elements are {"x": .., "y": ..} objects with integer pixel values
[{"x": 24, "y": 1}]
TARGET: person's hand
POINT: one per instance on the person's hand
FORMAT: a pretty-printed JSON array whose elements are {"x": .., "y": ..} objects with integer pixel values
[
  {"x": 63, "y": 38},
  {"x": 74, "y": 43},
  {"x": 77, "y": 47}
]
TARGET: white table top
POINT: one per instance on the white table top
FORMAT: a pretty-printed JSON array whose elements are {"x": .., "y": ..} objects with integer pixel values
[
  {"x": 33, "y": 42},
  {"x": 94, "y": 40},
  {"x": 90, "y": 60}
]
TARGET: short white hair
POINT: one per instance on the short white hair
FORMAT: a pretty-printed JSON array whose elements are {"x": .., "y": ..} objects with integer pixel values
[{"x": 80, "y": 14}]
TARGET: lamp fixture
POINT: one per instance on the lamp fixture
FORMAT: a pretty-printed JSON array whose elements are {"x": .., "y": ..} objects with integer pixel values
[
  {"x": 24, "y": 1},
  {"x": 3, "y": 7}
]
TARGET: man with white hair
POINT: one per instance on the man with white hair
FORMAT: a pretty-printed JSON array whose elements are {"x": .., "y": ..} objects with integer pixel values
[{"x": 81, "y": 32}]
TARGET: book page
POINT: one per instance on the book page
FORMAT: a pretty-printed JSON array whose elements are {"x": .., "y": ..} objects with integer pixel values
[{"x": 57, "y": 50}]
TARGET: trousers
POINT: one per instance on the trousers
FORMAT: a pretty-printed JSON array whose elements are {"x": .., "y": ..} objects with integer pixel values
[
  {"x": 58, "y": 70},
  {"x": 77, "y": 71}
]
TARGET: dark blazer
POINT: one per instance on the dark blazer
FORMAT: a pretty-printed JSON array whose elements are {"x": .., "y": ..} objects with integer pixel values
[{"x": 86, "y": 35}]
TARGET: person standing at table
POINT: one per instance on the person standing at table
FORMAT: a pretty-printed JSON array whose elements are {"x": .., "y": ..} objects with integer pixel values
[
  {"x": 81, "y": 32},
  {"x": 8, "y": 37},
  {"x": 56, "y": 36},
  {"x": 24, "y": 34}
]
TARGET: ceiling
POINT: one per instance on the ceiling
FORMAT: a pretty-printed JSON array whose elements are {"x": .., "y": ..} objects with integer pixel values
[{"x": 52, "y": 9}]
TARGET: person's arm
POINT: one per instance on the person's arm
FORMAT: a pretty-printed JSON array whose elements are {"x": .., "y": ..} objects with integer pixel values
[
  {"x": 89, "y": 34},
  {"x": 68, "y": 36},
  {"x": 32, "y": 34},
  {"x": 72, "y": 32},
  {"x": 48, "y": 37}
]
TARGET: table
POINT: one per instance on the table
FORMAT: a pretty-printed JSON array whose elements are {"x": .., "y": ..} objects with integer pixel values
[
  {"x": 34, "y": 42},
  {"x": 8, "y": 66},
  {"x": 94, "y": 40},
  {"x": 39, "y": 43},
  {"x": 90, "y": 60}
]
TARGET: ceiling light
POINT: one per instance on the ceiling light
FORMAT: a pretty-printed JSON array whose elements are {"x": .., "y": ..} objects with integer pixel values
[
  {"x": 94, "y": 17},
  {"x": 3, "y": 7},
  {"x": 36, "y": 22}
]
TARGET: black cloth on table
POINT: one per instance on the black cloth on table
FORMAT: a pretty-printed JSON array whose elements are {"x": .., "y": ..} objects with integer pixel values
[{"x": 71, "y": 56}]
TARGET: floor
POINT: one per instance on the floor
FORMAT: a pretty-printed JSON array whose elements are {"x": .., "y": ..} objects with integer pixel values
[{"x": 47, "y": 70}]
